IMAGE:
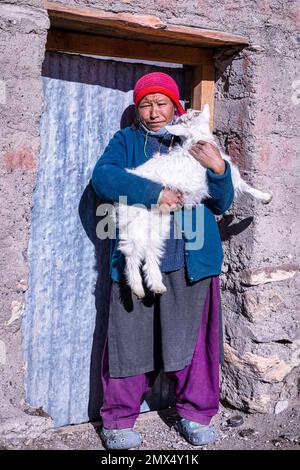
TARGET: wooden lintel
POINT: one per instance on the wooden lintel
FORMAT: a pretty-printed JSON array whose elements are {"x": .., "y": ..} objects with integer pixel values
[
  {"x": 148, "y": 27},
  {"x": 102, "y": 18},
  {"x": 65, "y": 41}
]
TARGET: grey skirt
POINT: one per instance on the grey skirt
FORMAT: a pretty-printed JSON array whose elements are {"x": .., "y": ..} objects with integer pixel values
[{"x": 158, "y": 331}]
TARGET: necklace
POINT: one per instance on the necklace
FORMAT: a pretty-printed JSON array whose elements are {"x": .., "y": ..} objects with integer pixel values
[{"x": 159, "y": 134}]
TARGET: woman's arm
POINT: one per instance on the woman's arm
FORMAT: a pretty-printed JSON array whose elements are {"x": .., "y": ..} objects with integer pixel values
[
  {"x": 110, "y": 179},
  {"x": 221, "y": 189}
]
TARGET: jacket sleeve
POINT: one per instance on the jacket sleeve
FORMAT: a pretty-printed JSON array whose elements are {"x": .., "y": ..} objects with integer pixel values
[
  {"x": 221, "y": 190},
  {"x": 110, "y": 179}
]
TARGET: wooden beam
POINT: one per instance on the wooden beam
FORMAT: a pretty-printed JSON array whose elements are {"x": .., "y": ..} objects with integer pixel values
[
  {"x": 203, "y": 88},
  {"x": 103, "y": 18},
  {"x": 148, "y": 27},
  {"x": 65, "y": 41}
]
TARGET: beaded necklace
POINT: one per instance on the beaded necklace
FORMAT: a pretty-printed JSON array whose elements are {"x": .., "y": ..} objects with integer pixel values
[{"x": 156, "y": 133}]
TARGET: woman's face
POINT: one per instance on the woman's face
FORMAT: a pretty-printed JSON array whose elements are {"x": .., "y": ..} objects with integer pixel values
[{"x": 156, "y": 110}]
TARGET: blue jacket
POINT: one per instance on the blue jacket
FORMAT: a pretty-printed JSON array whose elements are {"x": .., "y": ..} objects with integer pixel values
[{"x": 203, "y": 247}]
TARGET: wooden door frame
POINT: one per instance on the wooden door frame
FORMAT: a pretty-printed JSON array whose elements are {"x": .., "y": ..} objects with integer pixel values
[{"x": 97, "y": 32}]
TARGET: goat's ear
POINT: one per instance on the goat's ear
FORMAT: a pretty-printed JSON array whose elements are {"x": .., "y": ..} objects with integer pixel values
[
  {"x": 176, "y": 129},
  {"x": 206, "y": 112}
]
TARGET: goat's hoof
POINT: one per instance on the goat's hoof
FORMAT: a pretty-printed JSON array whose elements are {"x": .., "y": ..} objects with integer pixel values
[
  {"x": 140, "y": 293},
  {"x": 160, "y": 289},
  {"x": 267, "y": 199}
]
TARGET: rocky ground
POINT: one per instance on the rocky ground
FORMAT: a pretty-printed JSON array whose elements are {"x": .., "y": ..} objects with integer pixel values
[{"x": 257, "y": 432}]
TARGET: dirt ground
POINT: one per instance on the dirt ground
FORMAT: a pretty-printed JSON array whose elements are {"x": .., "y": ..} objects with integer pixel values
[{"x": 258, "y": 432}]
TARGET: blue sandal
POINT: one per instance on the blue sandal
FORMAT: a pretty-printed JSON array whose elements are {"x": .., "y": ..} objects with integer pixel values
[
  {"x": 195, "y": 433},
  {"x": 120, "y": 438}
]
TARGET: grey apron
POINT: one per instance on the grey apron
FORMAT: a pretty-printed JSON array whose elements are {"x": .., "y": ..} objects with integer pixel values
[{"x": 157, "y": 332}]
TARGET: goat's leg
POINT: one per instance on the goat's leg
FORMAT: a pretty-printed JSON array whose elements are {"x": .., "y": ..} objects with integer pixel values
[
  {"x": 153, "y": 276},
  {"x": 133, "y": 275},
  {"x": 244, "y": 187},
  {"x": 133, "y": 259},
  {"x": 160, "y": 228}
]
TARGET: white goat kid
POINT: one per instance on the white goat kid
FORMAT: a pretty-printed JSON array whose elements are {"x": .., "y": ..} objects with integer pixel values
[{"x": 143, "y": 231}]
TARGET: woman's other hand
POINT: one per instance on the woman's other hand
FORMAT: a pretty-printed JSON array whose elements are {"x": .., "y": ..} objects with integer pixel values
[
  {"x": 209, "y": 156},
  {"x": 170, "y": 200}
]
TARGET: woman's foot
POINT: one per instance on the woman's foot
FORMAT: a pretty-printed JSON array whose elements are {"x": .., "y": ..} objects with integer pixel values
[
  {"x": 120, "y": 438},
  {"x": 195, "y": 433}
]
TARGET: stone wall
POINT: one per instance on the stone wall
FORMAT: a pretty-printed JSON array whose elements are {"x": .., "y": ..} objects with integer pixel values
[
  {"x": 257, "y": 117},
  {"x": 256, "y": 121},
  {"x": 23, "y": 32}
]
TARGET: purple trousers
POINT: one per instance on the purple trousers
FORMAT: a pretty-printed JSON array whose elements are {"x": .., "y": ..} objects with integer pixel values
[{"x": 196, "y": 385}]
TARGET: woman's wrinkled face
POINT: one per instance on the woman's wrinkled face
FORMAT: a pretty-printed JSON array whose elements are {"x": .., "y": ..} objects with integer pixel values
[{"x": 156, "y": 110}]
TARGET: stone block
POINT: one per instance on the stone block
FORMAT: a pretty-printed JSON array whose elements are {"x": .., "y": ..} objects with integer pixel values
[{"x": 254, "y": 277}]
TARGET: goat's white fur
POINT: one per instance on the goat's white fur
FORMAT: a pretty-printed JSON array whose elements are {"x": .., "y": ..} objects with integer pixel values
[{"x": 143, "y": 231}]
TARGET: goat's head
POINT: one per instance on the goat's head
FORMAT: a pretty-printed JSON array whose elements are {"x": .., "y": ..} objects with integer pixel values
[{"x": 194, "y": 125}]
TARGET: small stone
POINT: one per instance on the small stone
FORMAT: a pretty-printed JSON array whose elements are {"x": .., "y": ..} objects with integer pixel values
[
  {"x": 2, "y": 92},
  {"x": 246, "y": 432},
  {"x": 22, "y": 285},
  {"x": 2, "y": 352},
  {"x": 289, "y": 437},
  {"x": 16, "y": 312},
  {"x": 281, "y": 406},
  {"x": 235, "y": 421}
]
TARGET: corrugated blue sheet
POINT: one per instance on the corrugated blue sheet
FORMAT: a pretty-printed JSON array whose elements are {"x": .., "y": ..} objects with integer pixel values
[{"x": 66, "y": 303}]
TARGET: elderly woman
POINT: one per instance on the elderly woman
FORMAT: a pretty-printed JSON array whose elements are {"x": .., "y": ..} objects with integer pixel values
[{"x": 180, "y": 330}]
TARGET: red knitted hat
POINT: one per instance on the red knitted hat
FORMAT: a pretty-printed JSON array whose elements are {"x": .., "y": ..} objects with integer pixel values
[{"x": 157, "y": 82}]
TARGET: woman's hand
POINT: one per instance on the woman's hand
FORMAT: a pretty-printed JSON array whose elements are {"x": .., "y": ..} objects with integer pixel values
[
  {"x": 171, "y": 200},
  {"x": 209, "y": 156}
]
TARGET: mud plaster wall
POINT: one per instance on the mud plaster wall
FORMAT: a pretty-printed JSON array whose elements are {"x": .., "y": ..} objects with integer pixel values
[{"x": 257, "y": 117}]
